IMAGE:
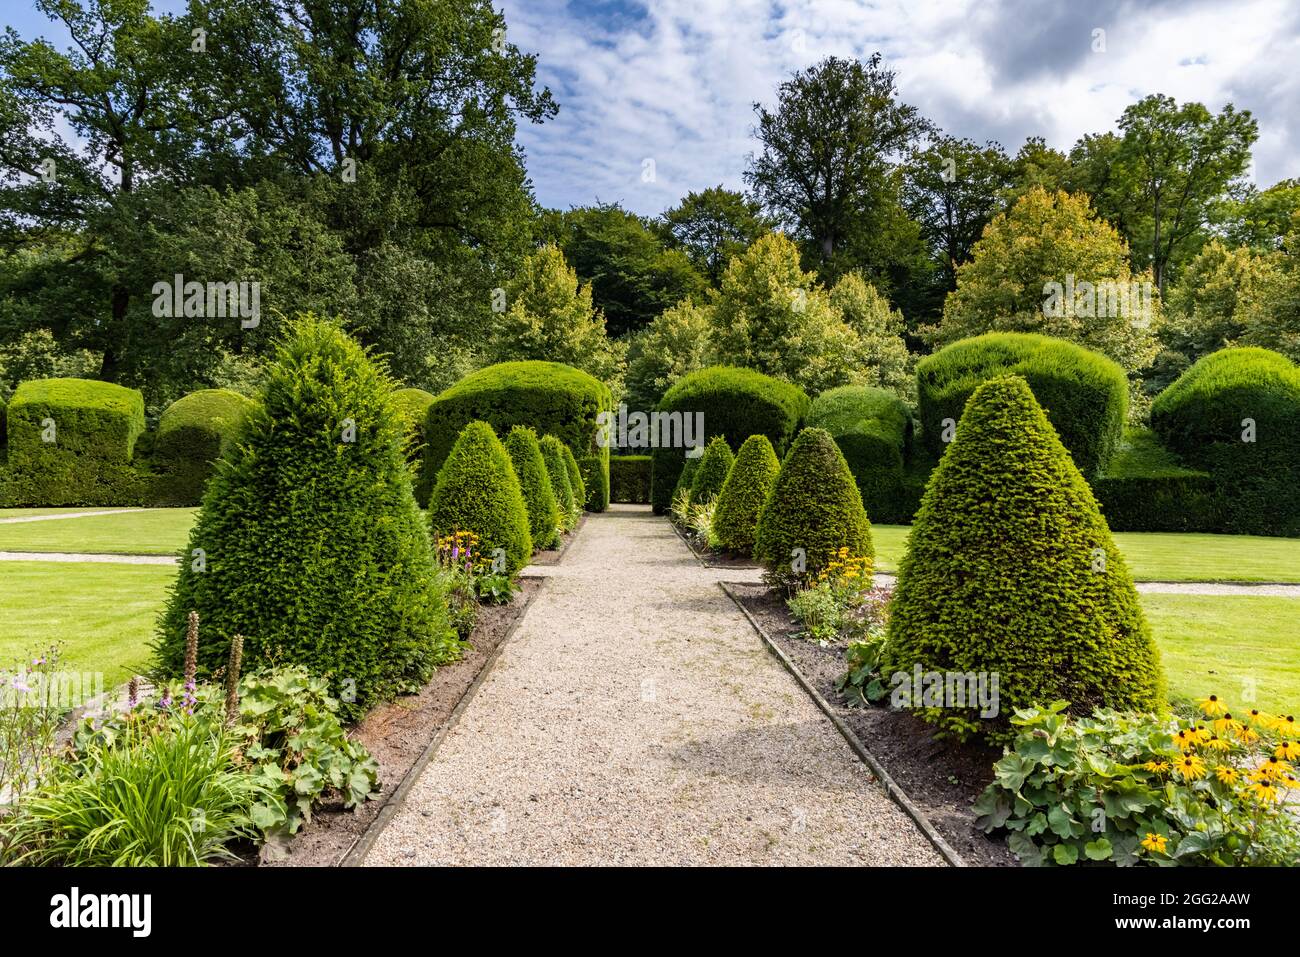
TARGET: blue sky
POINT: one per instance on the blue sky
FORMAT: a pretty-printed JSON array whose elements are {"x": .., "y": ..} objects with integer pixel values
[{"x": 656, "y": 97}]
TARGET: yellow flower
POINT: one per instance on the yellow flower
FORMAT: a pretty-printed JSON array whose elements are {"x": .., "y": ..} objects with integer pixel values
[
  {"x": 1286, "y": 726},
  {"x": 1226, "y": 725},
  {"x": 1264, "y": 792},
  {"x": 1212, "y": 706},
  {"x": 1262, "y": 718},
  {"x": 1155, "y": 843},
  {"x": 1288, "y": 750},
  {"x": 1217, "y": 743},
  {"x": 1227, "y": 774},
  {"x": 1159, "y": 767},
  {"x": 1190, "y": 767},
  {"x": 1202, "y": 734},
  {"x": 1272, "y": 770},
  {"x": 1185, "y": 739},
  {"x": 1247, "y": 735}
]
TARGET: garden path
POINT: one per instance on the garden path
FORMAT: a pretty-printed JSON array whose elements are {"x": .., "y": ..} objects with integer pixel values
[{"x": 636, "y": 718}]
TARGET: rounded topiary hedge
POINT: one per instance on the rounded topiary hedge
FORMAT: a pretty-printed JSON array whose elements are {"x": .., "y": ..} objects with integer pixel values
[
  {"x": 1011, "y": 572},
  {"x": 1236, "y": 414},
  {"x": 72, "y": 442},
  {"x": 561, "y": 480},
  {"x": 709, "y": 478},
  {"x": 193, "y": 432},
  {"x": 873, "y": 428},
  {"x": 309, "y": 543},
  {"x": 1146, "y": 489},
  {"x": 478, "y": 491},
  {"x": 1084, "y": 394},
  {"x": 733, "y": 402},
  {"x": 413, "y": 407},
  {"x": 812, "y": 512},
  {"x": 535, "y": 483},
  {"x": 629, "y": 478},
  {"x": 549, "y": 397},
  {"x": 752, "y": 475}
]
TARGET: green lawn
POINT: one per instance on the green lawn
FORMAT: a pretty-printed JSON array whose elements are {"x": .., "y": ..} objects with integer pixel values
[
  {"x": 1162, "y": 556},
  {"x": 158, "y": 531},
  {"x": 26, "y": 512},
  {"x": 1225, "y": 646},
  {"x": 103, "y": 614}
]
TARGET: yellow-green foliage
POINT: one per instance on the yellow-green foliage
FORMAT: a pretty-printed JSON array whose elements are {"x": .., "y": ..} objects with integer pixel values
[
  {"x": 561, "y": 483},
  {"x": 535, "y": 483},
  {"x": 1011, "y": 571}
]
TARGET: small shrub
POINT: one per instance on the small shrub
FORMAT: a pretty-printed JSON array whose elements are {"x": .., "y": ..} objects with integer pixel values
[
  {"x": 1124, "y": 788},
  {"x": 535, "y": 483},
  {"x": 733, "y": 402},
  {"x": 72, "y": 442},
  {"x": 1084, "y": 394},
  {"x": 813, "y": 511},
  {"x": 828, "y": 608},
  {"x": 743, "y": 493},
  {"x": 1011, "y": 573},
  {"x": 709, "y": 478},
  {"x": 561, "y": 481},
  {"x": 30, "y": 714},
  {"x": 629, "y": 478},
  {"x": 193, "y": 432},
  {"x": 478, "y": 491}
]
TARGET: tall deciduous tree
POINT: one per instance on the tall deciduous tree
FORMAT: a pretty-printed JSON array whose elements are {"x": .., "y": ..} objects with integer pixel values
[
  {"x": 1178, "y": 160},
  {"x": 828, "y": 145},
  {"x": 714, "y": 225}
]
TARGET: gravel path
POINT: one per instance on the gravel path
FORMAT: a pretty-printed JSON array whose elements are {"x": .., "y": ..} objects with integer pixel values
[
  {"x": 87, "y": 557},
  {"x": 635, "y": 718}
]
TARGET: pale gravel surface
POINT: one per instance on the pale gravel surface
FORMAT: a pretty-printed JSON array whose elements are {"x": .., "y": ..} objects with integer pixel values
[
  {"x": 87, "y": 557},
  {"x": 636, "y": 718}
]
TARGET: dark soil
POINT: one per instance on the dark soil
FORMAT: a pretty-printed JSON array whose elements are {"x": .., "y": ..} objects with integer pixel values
[
  {"x": 552, "y": 556},
  {"x": 397, "y": 733},
  {"x": 941, "y": 777}
]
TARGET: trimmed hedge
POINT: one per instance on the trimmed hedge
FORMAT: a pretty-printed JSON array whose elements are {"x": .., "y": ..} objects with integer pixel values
[
  {"x": 550, "y": 397},
  {"x": 95, "y": 426},
  {"x": 581, "y": 492},
  {"x": 1011, "y": 571},
  {"x": 748, "y": 484},
  {"x": 709, "y": 478},
  {"x": 1205, "y": 417},
  {"x": 312, "y": 546},
  {"x": 413, "y": 407},
  {"x": 814, "y": 505},
  {"x": 629, "y": 478},
  {"x": 1145, "y": 489},
  {"x": 733, "y": 402},
  {"x": 535, "y": 483},
  {"x": 4, "y": 424},
  {"x": 478, "y": 491},
  {"x": 558, "y": 470},
  {"x": 193, "y": 432},
  {"x": 1084, "y": 394},
  {"x": 873, "y": 428}
]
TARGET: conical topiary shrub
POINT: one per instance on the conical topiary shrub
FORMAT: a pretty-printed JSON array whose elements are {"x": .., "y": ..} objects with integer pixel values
[
  {"x": 477, "y": 491},
  {"x": 575, "y": 477},
  {"x": 309, "y": 543},
  {"x": 1011, "y": 572},
  {"x": 751, "y": 478},
  {"x": 812, "y": 512},
  {"x": 535, "y": 483},
  {"x": 553, "y": 455},
  {"x": 709, "y": 478},
  {"x": 687, "y": 476}
]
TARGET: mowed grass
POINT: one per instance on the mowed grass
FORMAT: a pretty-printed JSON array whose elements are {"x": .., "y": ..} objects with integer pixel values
[
  {"x": 156, "y": 531},
  {"x": 1161, "y": 556},
  {"x": 1231, "y": 647},
  {"x": 102, "y": 614}
]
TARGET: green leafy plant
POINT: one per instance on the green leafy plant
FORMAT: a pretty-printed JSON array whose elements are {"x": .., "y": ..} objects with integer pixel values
[
  {"x": 862, "y": 682},
  {"x": 1133, "y": 788},
  {"x": 30, "y": 712}
]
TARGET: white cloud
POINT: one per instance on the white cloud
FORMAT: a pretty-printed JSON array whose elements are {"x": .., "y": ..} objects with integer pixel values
[{"x": 675, "y": 80}]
